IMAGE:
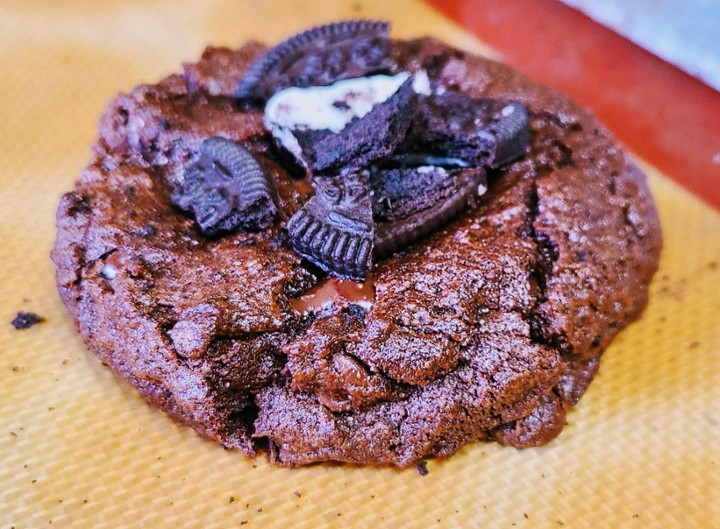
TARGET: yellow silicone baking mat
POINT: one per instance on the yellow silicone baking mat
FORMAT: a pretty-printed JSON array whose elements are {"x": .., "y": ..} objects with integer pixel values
[{"x": 78, "y": 447}]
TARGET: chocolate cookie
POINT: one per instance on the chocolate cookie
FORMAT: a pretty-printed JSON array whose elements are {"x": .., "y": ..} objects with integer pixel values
[{"x": 500, "y": 254}]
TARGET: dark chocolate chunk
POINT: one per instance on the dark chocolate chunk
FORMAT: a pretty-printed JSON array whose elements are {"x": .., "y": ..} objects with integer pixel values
[
  {"x": 225, "y": 189},
  {"x": 334, "y": 229},
  {"x": 372, "y": 137},
  {"x": 25, "y": 320},
  {"x": 424, "y": 210},
  {"x": 319, "y": 56},
  {"x": 487, "y": 132}
]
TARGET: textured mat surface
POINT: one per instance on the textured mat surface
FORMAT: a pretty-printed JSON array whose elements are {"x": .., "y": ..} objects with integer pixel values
[{"x": 78, "y": 448}]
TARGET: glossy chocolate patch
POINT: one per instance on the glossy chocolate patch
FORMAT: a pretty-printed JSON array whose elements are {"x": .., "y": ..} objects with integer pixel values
[
  {"x": 225, "y": 189},
  {"x": 319, "y": 56}
]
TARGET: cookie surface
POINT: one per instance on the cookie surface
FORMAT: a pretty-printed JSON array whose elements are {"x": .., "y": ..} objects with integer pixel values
[{"x": 492, "y": 327}]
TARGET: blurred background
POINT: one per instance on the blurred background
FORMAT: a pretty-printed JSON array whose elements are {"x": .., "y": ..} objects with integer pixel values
[{"x": 685, "y": 33}]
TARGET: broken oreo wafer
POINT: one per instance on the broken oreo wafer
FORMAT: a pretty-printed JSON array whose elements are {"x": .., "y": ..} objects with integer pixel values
[
  {"x": 319, "y": 56},
  {"x": 412, "y": 203},
  {"x": 367, "y": 139},
  {"x": 484, "y": 132},
  {"x": 334, "y": 229},
  {"x": 225, "y": 188},
  {"x": 345, "y": 225},
  {"x": 309, "y": 123},
  {"x": 402, "y": 192}
]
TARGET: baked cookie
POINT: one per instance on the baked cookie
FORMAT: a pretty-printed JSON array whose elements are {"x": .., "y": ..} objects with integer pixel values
[{"x": 441, "y": 257}]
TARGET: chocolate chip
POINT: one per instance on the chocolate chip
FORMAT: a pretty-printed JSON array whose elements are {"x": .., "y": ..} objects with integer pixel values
[
  {"x": 225, "y": 189},
  {"x": 417, "y": 213},
  {"x": 484, "y": 132},
  {"x": 25, "y": 320},
  {"x": 334, "y": 229},
  {"x": 372, "y": 137},
  {"x": 319, "y": 56}
]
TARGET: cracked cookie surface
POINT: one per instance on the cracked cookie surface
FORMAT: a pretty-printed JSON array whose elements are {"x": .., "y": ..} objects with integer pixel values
[{"x": 490, "y": 328}]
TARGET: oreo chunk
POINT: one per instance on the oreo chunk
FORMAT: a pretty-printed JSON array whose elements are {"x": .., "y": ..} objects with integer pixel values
[
  {"x": 372, "y": 137},
  {"x": 486, "y": 132},
  {"x": 319, "y": 56},
  {"x": 225, "y": 189},
  {"x": 334, "y": 229},
  {"x": 410, "y": 203}
]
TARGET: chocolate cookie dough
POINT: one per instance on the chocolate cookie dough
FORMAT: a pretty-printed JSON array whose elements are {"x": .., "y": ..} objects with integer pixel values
[{"x": 488, "y": 324}]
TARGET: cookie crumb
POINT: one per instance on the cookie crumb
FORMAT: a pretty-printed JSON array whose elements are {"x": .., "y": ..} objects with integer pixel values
[
  {"x": 25, "y": 320},
  {"x": 422, "y": 468}
]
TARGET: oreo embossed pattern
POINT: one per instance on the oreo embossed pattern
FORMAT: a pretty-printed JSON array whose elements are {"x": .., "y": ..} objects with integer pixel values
[{"x": 498, "y": 237}]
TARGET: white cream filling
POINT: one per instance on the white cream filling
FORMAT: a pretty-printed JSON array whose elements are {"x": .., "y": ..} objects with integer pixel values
[
  {"x": 424, "y": 169},
  {"x": 331, "y": 107}
]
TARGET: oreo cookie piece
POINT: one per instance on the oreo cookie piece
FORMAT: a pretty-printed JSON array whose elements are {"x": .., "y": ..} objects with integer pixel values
[
  {"x": 486, "y": 132},
  {"x": 399, "y": 193},
  {"x": 225, "y": 189},
  {"x": 319, "y": 56},
  {"x": 410, "y": 203},
  {"x": 367, "y": 139},
  {"x": 334, "y": 229},
  {"x": 320, "y": 126}
]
